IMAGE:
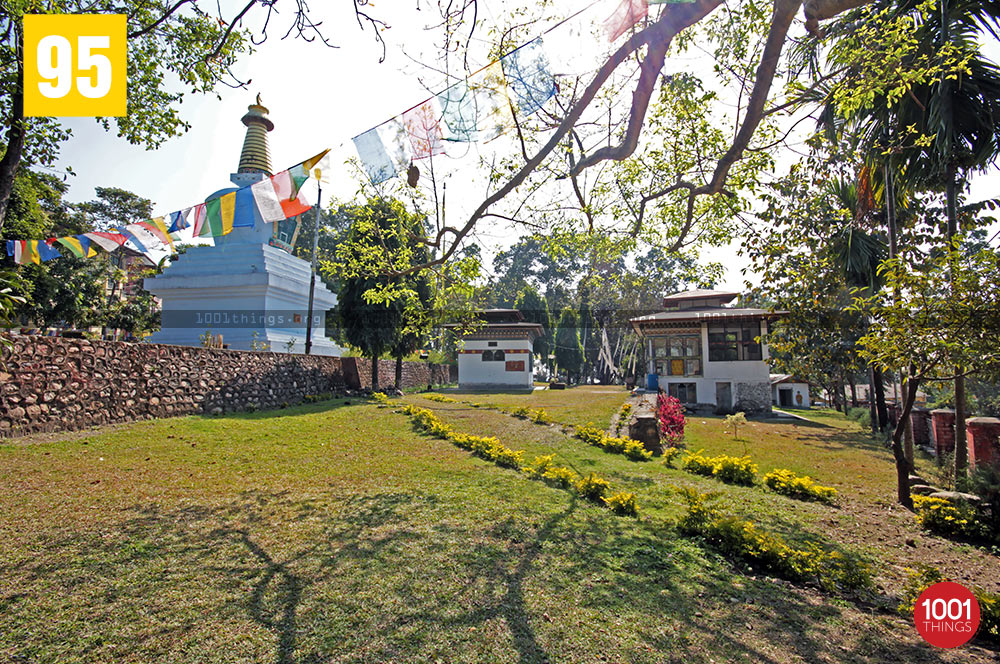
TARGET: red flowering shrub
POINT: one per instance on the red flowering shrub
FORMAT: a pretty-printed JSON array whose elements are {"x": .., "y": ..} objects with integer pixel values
[{"x": 670, "y": 413}]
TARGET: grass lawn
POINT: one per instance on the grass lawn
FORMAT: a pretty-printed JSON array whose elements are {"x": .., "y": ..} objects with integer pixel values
[{"x": 334, "y": 533}]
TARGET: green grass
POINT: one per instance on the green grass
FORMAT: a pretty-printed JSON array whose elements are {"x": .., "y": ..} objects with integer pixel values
[
  {"x": 576, "y": 406},
  {"x": 335, "y": 533}
]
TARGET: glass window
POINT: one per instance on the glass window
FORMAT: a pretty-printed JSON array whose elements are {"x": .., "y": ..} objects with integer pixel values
[
  {"x": 733, "y": 342},
  {"x": 678, "y": 355},
  {"x": 487, "y": 356},
  {"x": 498, "y": 356},
  {"x": 683, "y": 392}
]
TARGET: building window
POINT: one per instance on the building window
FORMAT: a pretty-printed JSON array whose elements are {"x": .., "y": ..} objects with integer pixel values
[
  {"x": 487, "y": 356},
  {"x": 498, "y": 356},
  {"x": 678, "y": 355},
  {"x": 733, "y": 342},
  {"x": 683, "y": 392},
  {"x": 491, "y": 344}
]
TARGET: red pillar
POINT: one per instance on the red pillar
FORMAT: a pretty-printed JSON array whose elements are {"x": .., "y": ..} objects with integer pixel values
[
  {"x": 943, "y": 424},
  {"x": 920, "y": 422},
  {"x": 983, "y": 435}
]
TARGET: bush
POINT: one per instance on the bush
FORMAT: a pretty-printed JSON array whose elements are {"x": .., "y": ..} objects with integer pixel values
[
  {"x": 623, "y": 417},
  {"x": 632, "y": 449},
  {"x": 622, "y": 503},
  {"x": 540, "y": 465},
  {"x": 728, "y": 469},
  {"x": 862, "y": 416},
  {"x": 941, "y": 516},
  {"x": 985, "y": 483},
  {"x": 670, "y": 414},
  {"x": 540, "y": 416},
  {"x": 802, "y": 487},
  {"x": 560, "y": 476},
  {"x": 742, "y": 539},
  {"x": 736, "y": 470},
  {"x": 381, "y": 399},
  {"x": 592, "y": 487},
  {"x": 669, "y": 455},
  {"x": 440, "y": 398}
]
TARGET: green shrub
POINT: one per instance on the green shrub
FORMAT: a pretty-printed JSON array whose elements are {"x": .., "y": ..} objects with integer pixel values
[
  {"x": 522, "y": 412},
  {"x": 540, "y": 465},
  {"x": 622, "y": 503},
  {"x": 669, "y": 455},
  {"x": 623, "y": 417},
  {"x": 698, "y": 464},
  {"x": 592, "y": 487},
  {"x": 560, "y": 476},
  {"x": 540, "y": 416},
  {"x": 862, "y": 416},
  {"x": 440, "y": 398},
  {"x": 738, "y": 538},
  {"x": 591, "y": 435},
  {"x": 736, "y": 470},
  {"x": 802, "y": 487},
  {"x": 380, "y": 398},
  {"x": 941, "y": 516},
  {"x": 636, "y": 451}
]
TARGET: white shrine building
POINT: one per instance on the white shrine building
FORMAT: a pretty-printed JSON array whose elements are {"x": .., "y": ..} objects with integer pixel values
[
  {"x": 498, "y": 356},
  {"x": 249, "y": 288},
  {"x": 708, "y": 354}
]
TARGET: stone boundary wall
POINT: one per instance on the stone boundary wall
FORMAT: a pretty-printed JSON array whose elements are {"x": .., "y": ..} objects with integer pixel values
[
  {"x": 358, "y": 373},
  {"x": 54, "y": 384}
]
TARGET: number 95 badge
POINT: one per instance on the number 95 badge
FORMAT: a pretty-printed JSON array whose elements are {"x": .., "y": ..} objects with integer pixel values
[{"x": 74, "y": 65}]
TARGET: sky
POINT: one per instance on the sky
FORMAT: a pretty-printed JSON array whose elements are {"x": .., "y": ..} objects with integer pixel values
[{"x": 320, "y": 98}]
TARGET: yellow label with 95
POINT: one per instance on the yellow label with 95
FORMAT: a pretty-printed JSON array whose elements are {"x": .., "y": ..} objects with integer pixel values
[{"x": 74, "y": 65}]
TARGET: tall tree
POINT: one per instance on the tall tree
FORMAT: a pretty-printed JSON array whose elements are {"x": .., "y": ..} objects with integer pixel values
[
  {"x": 536, "y": 310},
  {"x": 569, "y": 351}
]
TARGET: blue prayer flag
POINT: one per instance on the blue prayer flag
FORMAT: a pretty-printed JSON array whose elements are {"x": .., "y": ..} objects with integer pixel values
[
  {"x": 527, "y": 69},
  {"x": 46, "y": 252},
  {"x": 374, "y": 156},
  {"x": 245, "y": 208},
  {"x": 458, "y": 113}
]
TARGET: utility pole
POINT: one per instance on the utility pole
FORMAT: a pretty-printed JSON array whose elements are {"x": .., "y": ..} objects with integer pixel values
[{"x": 312, "y": 269}]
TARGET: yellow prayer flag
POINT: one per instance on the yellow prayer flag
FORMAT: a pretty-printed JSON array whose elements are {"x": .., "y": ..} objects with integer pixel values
[{"x": 228, "y": 210}]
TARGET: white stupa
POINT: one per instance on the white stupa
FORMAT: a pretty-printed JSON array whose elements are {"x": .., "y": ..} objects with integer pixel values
[{"x": 248, "y": 287}]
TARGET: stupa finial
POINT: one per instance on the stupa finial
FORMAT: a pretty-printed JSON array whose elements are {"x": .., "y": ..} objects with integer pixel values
[{"x": 256, "y": 157}]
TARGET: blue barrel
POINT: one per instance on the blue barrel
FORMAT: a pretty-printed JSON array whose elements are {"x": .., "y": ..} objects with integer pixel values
[{"x": 652, "y": 382}]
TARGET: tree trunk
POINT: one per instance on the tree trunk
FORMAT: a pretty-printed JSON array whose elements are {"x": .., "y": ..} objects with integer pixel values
[
  {"x": 872, "y": 413},
  {"x": 375, "y": 374},
  {"x": 854, "y": 390},
  {"x": 15, "y": 133},
  {"x": 902, "y": 467},
  {"x": 880, "y": 407},
  {"x": 961, "y": 449},
  {"x": 399, "y": 372}
]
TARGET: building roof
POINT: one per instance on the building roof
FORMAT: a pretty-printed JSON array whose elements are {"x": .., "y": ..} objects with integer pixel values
[
  {"x": 496, "y": 330},
  {"x": 502, "y": 315},
  {"x": 702, "y": 315},
  {"x": 700, "y": 294},
  {"x": 786, "y": 378}
]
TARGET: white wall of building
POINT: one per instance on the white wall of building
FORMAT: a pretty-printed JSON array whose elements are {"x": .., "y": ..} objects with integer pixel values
[
  {"x": 474, "y": 373},
  {"x": 799, "y": 394}
]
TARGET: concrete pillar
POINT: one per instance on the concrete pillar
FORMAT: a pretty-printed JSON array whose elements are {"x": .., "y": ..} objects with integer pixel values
[
  {"x": 983, "y": 438},
  {"x": 943, "y": 422},
  {"x": 920, "y": 423}
]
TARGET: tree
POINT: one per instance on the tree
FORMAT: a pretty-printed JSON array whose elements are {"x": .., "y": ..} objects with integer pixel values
[
  {"x": 569, "y": 351},
  {"x": 114, "y": 207},
  {"x": 67, "y": 291},
  {"x": 378, "y": 313},
  {"x": 944, "y": 317},
  {"x": 536, "y": 310}
]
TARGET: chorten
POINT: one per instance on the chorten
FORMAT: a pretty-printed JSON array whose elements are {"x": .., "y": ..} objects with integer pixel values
[{"x": 248, "y": 288}]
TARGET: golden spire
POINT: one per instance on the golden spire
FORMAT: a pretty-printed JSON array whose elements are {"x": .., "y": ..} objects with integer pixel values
[{"x": 255, "y": 157}]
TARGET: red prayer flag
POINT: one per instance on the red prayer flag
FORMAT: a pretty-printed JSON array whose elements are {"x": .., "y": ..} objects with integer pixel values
[{"x": 628, "y": 13}]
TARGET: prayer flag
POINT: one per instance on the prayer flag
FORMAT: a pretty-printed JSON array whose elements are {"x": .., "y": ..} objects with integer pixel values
[
  {"x": 318, "y": 166},
  {"x": 106, "y": 241},
  {"x": 179, "y": 220},
  {"x": 10, "y": 247},
  {"x": 46, "y": 251},
  {"x": 200, "y": 214},
  {"x": 628, "y": 13},
  {"x": 267, "y": 201},
  {"x": 159, "y": 229},
  {"x": 79, "y": 245},
  {"x": 131, "y": 232},
  {"x": 422, "y": 128},
  {"x": 227, "y": 210},
  {"x": 31, "y": 252},
  {"x": 299, "y": 175},
  {"x": 213, "y": 218},
  {"x": 527, "y": 69},
  {"x": 397, "y": 143},
  {"x": 458, "y": 113},
  {"x": 244, "y": 217},
  {"x": 284, "y": 187},
  {"x": 495, "y": 115},
  {"x": 374, "y": 157}
]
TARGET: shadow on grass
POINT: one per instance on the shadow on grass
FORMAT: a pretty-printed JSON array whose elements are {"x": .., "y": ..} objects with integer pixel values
[{"x": 398, "y": 576}]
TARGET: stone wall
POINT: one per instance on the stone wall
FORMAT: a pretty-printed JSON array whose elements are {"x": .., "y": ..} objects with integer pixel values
[
  {"x": 358, "y": 373},
  {"x": 55, "y": 384},
  {"x": 753, "y": 398}
]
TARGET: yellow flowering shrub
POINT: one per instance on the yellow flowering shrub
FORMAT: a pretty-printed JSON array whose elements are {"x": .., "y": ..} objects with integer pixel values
[
  {"x": 622, "y": 503},
  {"x": 802, "y": 487},
  {"x": 941, "y": 516}
]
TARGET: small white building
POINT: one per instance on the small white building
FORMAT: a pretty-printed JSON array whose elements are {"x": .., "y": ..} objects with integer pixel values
[
  {"x": 707, "y": 354},
  {"x": 498, "y": 355},
  {"x": 788, "y": 391}
]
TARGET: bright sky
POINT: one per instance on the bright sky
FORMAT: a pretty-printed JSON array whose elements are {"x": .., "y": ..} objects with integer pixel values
[{"x": 318, "y": 98}]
